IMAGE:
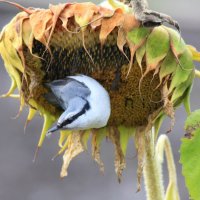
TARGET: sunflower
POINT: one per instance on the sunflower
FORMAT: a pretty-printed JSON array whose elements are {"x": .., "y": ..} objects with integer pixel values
[{"x": 147, "y": 72}]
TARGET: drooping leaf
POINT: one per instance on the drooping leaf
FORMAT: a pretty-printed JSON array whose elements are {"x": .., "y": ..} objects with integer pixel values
[
  {"x": 168, "y": 66},
  {"x": 125, "y": 134},
  {"x": 138, "y": 35},
  {"x": 186, "y": 101},
  {"x": 181, "y": 89},
  {"x": 140, "y": 55},
  {"x": 176, "y": 42},
  {"x": 136, "y": 38},
  {"x": 184, "y": 69},
  {"x": 157, "y": 47}
]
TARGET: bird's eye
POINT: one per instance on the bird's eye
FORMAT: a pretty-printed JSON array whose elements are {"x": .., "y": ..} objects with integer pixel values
[{"x": 70, "y": 119}]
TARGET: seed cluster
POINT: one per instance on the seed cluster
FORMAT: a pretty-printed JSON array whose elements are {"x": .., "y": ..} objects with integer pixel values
[{"x": 68, "y": 55}]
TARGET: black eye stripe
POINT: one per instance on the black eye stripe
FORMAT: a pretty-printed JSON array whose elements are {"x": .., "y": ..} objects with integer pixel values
[{"x": 71, "y": 119}]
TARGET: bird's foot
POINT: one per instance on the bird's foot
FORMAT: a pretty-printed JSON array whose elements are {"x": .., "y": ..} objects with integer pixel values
[{"x": 150, "y": 18}]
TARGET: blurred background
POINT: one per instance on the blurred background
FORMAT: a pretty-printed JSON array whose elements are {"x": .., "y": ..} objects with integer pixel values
[{"x": 21, "y": 179}]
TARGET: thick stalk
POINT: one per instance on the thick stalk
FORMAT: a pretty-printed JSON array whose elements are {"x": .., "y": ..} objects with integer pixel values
[{"x": 152, "y": 173}]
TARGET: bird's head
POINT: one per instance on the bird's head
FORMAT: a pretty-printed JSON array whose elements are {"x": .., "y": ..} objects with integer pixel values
[{"x": 75, "y": 117}]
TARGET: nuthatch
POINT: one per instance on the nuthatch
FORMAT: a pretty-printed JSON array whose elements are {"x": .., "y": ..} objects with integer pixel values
[{"x": 85, "y": 102}]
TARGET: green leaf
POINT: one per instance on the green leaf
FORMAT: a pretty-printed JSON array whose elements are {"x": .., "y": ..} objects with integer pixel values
[
  {"x": 138, "y": 35},
  {"x": 190, "y": 154},
  {"x": 184, "y": 69},
  {"x": 101, "y": 134},
  {"x": 168, "y": 66},
  {"x": 193, "y": 121},
  {"x": 125, "y": 134},
  {"x": 177, "y": 43},
  {"x": 181, "y": 89},
  {"x": 158, "y": 123},
  {"x": 140, "y": 55},
  {"x": 157, "y": 47},
  {"x": 186, "y": 100}
]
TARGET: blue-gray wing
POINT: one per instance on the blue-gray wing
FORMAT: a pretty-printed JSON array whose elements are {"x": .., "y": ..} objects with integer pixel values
[{"x": 64, "y": 90}]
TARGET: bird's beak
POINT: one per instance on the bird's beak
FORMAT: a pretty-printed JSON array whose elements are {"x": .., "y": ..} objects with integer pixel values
[{"x": 53, "y": 129}]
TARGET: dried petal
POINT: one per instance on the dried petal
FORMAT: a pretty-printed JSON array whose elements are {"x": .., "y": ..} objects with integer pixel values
[
  {"x": 97, "y": 138},
  {"x": 75, "y": 147},
  {"x": 108, "y": 25},
  {"x": 84, "y": 13},
  {"x": 120, "y": 163},
  {"x": 121, "y": 41},
  {"x": 40, "y": 21}
]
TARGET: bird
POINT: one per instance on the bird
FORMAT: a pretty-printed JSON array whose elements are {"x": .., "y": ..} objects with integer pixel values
[{"x": 85, "y": 102}]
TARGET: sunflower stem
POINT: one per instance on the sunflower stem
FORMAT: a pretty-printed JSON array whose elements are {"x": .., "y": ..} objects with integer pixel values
[
  {"x": 152, "y": 171},
  {"x": 163, "y": 145}
]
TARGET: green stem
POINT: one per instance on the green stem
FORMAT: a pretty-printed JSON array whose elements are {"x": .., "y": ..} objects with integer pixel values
[
  {"x": 163, "y": 144},
  {"x": 152, "y": 172}
]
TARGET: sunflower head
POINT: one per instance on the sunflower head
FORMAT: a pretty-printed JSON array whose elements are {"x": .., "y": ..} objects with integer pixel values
[{"x": 147, "y": 71}]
